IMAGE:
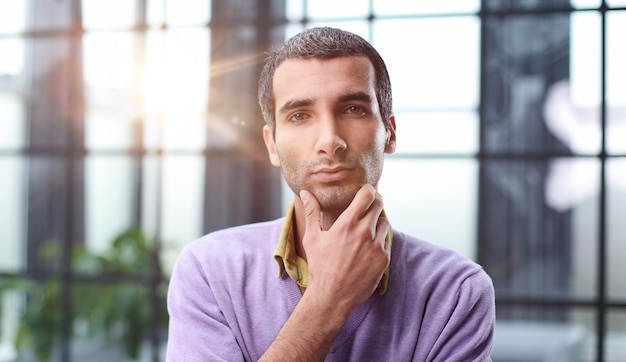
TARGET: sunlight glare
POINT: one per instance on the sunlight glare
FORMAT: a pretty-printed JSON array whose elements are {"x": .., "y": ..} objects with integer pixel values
[
  {"x": 12, "y": 59},
  {"x": 105, "y": 14},
  {"x": 12, "y": 16}
]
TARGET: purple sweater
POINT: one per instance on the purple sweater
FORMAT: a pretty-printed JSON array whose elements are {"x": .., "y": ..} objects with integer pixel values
[{"x": 226, "y": 303}]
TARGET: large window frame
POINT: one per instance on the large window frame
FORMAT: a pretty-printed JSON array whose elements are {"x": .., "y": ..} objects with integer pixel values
[{"x": 55, "y": 199}]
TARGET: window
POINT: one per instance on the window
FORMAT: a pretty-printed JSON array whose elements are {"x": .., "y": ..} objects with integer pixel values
[
  {"x": 108, "y": 123},
  {"x": 511, "y": 122}
]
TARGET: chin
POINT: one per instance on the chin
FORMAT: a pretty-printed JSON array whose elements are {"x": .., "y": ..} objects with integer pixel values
[{"x": 336, "y": 199}]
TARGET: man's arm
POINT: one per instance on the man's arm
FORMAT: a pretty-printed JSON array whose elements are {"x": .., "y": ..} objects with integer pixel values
[{"x": 345, "y": 265}]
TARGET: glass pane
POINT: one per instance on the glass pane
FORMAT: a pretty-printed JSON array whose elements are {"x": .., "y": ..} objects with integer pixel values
[
  {"x": 55, "y": 203},
  {"x": 180, "y": 202},
  {"x": 583, "y": 4},
  {"x": 108, "y": 61},
  {"x": 539, "y": 226},
  {"x": 178, "y": 12},
  {"x": 188, "y": 11},
  {"x": 108, "y": 199},
  {"x": 571, "y": 109},
  {"x": 437, "y": 132},
  {"x": 292, "y": 29},
  {"x": 616, "y": 3},
  {"x": 183, "y": 180},
  {"x": 295, "y": 10},
  {"x": 54, "y": 108},
  {"x": 12, "y": 16},
  {"x": 151, "y": 196},
  {"x": 155, "y": 12},
  {"x": 12, "y": 59},
  {"x": 615, "y": 340},
  {"x": 10, "y": 305},
  {"x": 616, "y": 82},
  {"x": 403, "y": 7},
  {"x": 526, "y": 60},
  {"x": 425, "y": 197},
  {"x": 543, "y": 334},
  {"x": 13, "y": 127},
  {"x": 525, "y": 5},
  {"x": 585, "y": 62},
  {"x": 111, "y": 100},
  {"x": 325, "y": 9},
  {"x": 13, "y": 201},
  {"x": 616, "y": 227},
  {"x": 175, "y": 88},
  {"x": 108, "y": 13},
  {"x": 360, "y": 28},
  {"x": 431, "y": 75},
  {"x": 50, "y": 15}
]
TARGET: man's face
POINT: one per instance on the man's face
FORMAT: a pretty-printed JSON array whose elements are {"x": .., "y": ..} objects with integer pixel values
[{"x": 329, "y": 137}]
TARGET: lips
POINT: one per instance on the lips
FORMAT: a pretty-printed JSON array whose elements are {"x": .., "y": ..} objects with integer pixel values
[{"x": 331, "y": 174}]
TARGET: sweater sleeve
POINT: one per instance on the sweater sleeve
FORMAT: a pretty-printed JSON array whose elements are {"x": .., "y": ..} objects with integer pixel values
[
  {"x": 198, "y": 330},
  {"x": 467, "y": 335}
]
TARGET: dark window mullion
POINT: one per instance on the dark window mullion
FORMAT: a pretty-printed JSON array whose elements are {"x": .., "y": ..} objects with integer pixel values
[{"x": 602, "y": 309}]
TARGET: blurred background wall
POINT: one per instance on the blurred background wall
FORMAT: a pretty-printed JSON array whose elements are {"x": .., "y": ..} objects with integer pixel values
[{"x": 128, "y": 128}]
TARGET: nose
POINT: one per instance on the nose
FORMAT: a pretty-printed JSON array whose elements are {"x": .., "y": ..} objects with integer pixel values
[{"x": 331, "y": 140}]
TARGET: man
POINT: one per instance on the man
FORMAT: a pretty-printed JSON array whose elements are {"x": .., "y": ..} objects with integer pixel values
[{"x": 348, "y": 288}]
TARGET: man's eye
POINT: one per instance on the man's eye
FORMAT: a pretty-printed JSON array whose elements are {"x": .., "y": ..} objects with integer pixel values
[
  {"x": 297, "y": 117},
  {"x": 355, "y": 110}
]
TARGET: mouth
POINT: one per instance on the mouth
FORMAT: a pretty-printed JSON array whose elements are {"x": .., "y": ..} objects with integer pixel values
[{"x": 331, "y": 174}]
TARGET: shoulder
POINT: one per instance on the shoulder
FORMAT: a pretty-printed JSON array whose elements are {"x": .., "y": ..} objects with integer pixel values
[
  {"x": 447, "y": 287},
  {"x": 235, "y": 244},
  {"x": 425, "y": 262}
]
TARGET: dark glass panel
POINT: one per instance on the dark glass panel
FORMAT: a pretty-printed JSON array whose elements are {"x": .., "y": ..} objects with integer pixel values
[
  {"x": 527, "y": 5},
  {"x": 538, "y": 227},
  {"x": 616, "y": 227},
  {"x": 55, "y": 207},
  {"x": 523, "y": 57}
]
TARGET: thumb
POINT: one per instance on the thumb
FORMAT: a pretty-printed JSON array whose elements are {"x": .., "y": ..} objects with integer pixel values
[{"x": 312, "y": 211}]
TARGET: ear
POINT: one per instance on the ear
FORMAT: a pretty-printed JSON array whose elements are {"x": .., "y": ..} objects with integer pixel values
[
  {"x": 390, "y": 145},
  {"x": 268, "y": 137}
]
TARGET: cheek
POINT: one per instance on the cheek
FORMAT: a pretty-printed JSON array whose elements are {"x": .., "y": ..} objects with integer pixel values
[
  {"x": 287, "y": 160},
  {"x": 377, "y": 142}
]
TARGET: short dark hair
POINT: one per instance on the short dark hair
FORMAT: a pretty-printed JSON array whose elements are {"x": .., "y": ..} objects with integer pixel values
[{"x": 323, "y": 43}]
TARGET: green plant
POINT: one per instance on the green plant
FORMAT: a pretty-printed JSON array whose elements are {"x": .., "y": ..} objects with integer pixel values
[{"x": 118, "y": 309}]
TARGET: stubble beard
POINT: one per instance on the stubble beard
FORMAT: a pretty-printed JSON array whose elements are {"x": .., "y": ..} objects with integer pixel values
[{"x": 334, "y": 198}]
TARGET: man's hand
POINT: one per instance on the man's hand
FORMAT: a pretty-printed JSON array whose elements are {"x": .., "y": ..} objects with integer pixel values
[{"x": 345, "y": 263}]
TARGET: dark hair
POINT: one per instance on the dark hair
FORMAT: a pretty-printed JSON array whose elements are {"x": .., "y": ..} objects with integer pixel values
[{"x": 323, "y": 43}]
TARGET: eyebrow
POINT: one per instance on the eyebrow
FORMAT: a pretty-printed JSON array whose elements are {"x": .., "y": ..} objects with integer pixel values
[
  {"x": 297, "y": 103},
  {"x": 356, "y": 96},
  {"x": 293, "y": 104}
]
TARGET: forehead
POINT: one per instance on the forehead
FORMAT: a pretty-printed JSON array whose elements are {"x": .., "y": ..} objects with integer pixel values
[{"x": 312, "y": 78}]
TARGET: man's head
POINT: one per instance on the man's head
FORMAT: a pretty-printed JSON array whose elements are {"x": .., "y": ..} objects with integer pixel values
[
  {"x": 326, "y": 130},
  {"x": 323, "y": 43}
]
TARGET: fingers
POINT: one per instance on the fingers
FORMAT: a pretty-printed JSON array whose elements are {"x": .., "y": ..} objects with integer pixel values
[
  {"x": 367, "y": 202},
  {"x": 312, "y": 211},
  {"x": 382, "y": 228},
  {"x": 364, "y": 209}
]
